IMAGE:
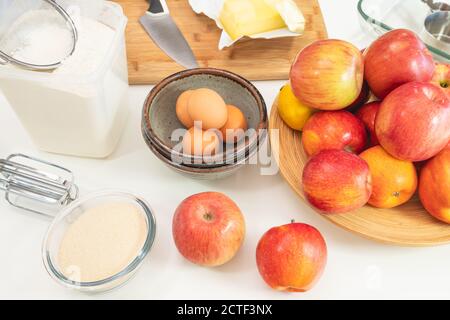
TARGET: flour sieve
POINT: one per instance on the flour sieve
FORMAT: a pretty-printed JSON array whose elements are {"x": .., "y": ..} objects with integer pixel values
[
  {"x": 27, "y": 34},
  {"x": 36, "y": 185}
]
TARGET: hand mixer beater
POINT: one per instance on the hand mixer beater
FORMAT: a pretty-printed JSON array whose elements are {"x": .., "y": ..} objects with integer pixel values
[{"x": 36, "y": 185}]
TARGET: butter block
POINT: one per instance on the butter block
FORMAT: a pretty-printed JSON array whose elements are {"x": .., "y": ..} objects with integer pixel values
[
  {"x": 290, "y": 13},
  {"x": 248, "y": 17}
]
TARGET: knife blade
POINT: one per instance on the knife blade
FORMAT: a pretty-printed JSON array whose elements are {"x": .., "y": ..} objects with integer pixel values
[{"x": 165, "y": 33}]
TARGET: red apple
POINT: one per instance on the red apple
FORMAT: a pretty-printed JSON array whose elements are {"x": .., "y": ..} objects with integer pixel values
[
  {"x": 208, "y": 228},
  {"x": 334, "y": 130},
  {"x": 291, "y": 257},
  {"x": 336, "y": 181},
  {"x": 396, "y": 58},
  {"x": 413, "y": 122},
  {"x": 367, "y": 115},
  {"x": 328, "y": 74},
  {"x": 441, "y": 76}
]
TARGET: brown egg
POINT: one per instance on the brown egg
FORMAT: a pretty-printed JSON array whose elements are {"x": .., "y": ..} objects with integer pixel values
[
  {"x": 200, "y": 143},
  {"x": 207, "y": 107},
  {"x": 182, "y": 112},
  {"x": 235, "y": 127}
]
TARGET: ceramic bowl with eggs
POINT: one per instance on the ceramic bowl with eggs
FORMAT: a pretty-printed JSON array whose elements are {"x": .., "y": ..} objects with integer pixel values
[{"x": 205, "y": 123}]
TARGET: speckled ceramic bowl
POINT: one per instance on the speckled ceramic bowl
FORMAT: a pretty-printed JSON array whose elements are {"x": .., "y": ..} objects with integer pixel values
[
  {"x": 201, "y": 173},
  {"x": 159, "y": 120}
]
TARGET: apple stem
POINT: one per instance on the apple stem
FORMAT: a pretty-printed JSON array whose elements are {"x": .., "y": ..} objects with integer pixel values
[{"x": 292, "y": 220}]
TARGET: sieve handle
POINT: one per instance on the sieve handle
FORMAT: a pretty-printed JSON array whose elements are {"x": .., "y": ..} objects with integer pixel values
[{"x": 3, "y": 59}]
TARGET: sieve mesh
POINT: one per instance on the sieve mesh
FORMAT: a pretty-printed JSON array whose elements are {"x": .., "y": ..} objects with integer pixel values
[{"x": 35, "y": 34}]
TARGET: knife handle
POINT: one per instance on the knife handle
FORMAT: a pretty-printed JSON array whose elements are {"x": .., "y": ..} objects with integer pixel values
[{"x": 158, "y": 7}]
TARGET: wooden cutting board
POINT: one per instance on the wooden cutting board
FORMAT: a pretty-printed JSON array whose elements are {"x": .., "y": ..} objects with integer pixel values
[{"x": 253, "y": 59}]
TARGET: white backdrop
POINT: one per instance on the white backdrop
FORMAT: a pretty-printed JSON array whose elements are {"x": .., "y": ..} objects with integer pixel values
[{"x": 357, "y": 268}]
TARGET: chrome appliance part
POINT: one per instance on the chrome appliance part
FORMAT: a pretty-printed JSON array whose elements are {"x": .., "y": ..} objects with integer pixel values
[{"x": 36, "y": 185}]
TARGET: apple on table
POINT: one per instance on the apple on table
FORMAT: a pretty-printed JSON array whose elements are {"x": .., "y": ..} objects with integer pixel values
[
  {"x": 208, "y": 228},
  {"x": 291, "y": 257}
]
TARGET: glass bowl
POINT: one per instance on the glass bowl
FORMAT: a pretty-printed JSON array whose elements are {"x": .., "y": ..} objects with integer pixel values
[
  {"x": 69, "y": 215},
  {"x": 381, "y": 16}
]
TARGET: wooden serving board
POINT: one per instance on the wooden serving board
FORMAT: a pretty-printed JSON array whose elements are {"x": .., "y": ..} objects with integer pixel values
[
  {"x": 253, "y": 59},
  {"x": 406, "y": 225}
]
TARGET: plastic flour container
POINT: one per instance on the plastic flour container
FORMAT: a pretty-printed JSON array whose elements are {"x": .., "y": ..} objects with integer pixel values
[{"x": 81, "y": 107}]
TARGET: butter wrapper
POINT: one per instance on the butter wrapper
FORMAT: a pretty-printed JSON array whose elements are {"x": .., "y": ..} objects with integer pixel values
[{"x": 213, "y": 8}]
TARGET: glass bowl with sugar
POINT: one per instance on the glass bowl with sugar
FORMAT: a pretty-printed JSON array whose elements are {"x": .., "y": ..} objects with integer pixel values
[{"x": 98, "y": 242}]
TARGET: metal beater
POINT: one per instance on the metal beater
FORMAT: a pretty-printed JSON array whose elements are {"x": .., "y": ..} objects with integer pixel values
[{"x": 36, "y": 185}]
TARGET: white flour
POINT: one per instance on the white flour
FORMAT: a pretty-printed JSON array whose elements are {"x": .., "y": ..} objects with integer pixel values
[{"x": 94, "y": 42}]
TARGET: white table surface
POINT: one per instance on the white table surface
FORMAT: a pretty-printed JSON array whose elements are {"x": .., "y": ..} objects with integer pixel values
[{"x": 357, "y": 268}]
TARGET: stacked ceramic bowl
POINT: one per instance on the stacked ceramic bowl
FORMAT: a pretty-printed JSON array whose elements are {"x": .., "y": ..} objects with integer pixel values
[{"x": 161, "y": 127}]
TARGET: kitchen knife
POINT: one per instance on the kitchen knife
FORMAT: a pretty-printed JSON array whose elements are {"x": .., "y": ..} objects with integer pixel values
[{"x": 162, "y": 29}]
